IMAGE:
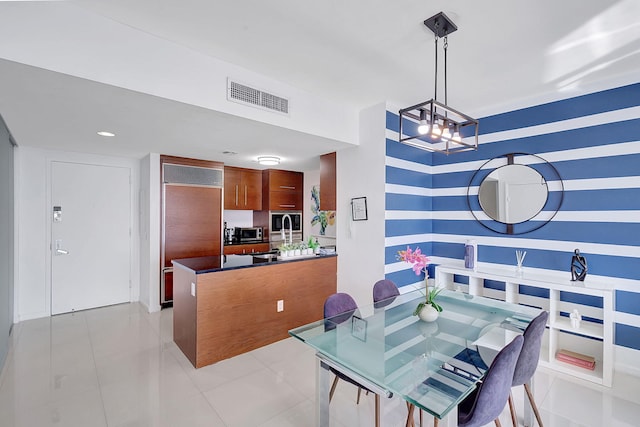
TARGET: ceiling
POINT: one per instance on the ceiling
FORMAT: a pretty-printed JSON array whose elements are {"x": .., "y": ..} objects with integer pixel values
[{"x": 505, "y": 54}]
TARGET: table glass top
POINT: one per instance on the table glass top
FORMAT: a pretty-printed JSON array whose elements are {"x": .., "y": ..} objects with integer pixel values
[{"x": 433, "y": 365}]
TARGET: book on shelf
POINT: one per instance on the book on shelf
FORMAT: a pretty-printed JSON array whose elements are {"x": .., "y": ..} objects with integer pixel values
[{"x": 576, "y": 359}]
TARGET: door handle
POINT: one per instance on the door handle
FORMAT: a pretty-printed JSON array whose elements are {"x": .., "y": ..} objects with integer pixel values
[{"x": 59, "y": 250}]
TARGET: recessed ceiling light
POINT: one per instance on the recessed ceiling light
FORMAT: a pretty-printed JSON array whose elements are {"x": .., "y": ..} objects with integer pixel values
[
  {"x": 106, "y": 133},
  {"x": 269, "y": 160}
]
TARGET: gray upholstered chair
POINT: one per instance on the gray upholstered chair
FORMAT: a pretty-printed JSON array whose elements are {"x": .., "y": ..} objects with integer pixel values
[
  {"x": 528, "y": 363},
  {"x": 486, "y": 402},
  {"x": 340, "y": 307},
  {"x": 384, "y": 293},
  {"x": 489, "y": 399}
]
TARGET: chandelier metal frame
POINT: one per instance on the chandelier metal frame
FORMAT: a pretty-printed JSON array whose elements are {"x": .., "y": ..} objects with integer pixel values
[{"x": 432, "y": 125}]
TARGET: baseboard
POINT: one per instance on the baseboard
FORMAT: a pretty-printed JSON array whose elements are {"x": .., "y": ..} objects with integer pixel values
[{"x": 626, "y": 361}]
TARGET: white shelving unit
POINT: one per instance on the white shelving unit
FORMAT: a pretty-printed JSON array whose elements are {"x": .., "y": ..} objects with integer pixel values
[{"x": 591, "y": 338}]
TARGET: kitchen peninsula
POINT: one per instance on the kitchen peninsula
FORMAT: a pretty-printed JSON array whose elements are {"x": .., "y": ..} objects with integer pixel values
[{"x": 227, "y": 305}]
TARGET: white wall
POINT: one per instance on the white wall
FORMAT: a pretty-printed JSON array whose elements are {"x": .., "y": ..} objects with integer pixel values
[
  {"x": 33, "y": 286},
  {"x": 360, "y": 173},
  {"x": 7, "y": 247},
  {"x": 149, "y": 197}
]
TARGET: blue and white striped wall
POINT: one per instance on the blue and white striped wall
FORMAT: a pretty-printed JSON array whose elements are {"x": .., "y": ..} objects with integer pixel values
[{"x": 593, "y": 141}]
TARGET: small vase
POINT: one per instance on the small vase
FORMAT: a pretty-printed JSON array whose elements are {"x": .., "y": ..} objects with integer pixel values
[{"x": 428, "y": 313}]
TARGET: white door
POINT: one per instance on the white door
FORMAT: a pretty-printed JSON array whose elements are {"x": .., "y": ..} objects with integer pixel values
[{"x": 90, "y": 236}]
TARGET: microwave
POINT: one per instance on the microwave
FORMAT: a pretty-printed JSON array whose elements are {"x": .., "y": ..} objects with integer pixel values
[
  {"x": 276, "y": 221},
  {"x": 248, "y": 234}
]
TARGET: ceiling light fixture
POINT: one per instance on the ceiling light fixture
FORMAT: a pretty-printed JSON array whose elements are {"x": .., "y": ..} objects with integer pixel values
[
  {"x": 431, "y": 125},
  {"x": 106, "y": 133},
  {"x": 269, "y": 160}
]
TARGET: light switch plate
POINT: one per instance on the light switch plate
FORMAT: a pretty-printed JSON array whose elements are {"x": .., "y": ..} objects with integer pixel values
[
  {"x": 280, "y": 305},
  {"x": 193, "y": 289}
]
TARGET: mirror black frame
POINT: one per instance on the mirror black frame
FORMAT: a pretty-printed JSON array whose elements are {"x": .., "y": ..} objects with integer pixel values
[{"x": 548, "y": 172}]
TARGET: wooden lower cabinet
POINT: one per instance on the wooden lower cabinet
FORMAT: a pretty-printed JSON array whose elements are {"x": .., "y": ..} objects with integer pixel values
[
  {"x": 246, "y": 249},
  {"x": 235, "y": 311}
]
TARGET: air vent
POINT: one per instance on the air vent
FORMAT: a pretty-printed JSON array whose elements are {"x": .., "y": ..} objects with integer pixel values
[
  {"x": 244, "y": 94},
  {"x": 192, "y": 175}
]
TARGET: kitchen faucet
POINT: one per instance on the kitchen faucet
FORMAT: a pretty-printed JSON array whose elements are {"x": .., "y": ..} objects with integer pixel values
[{"x": 284, "y": 236}]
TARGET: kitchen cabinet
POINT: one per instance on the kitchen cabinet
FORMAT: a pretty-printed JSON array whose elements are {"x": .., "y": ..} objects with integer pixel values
[
  {"x": 191, "y": 214},
  {"x": 250, "y": 248},
  {"x": 242, "y": 188},
  {"x": 220, "y": 312},
  {"x": 282, "y": 190},
  {"x": 328, "y": 182}
]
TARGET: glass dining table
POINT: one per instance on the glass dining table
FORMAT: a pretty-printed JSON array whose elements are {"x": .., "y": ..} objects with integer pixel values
[{"x": 433, "y": 366}]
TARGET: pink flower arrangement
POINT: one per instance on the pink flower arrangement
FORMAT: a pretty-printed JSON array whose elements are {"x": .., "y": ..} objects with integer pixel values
[{"x": 417, "y": 258}]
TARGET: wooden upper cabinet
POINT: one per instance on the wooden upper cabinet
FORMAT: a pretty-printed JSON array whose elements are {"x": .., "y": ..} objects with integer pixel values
[
  {"x": 242, "y": 188},
  {"x": 328, "y": 182},
  {"x": 279, "y": 180},
  {"x": 282, "y": 190}
]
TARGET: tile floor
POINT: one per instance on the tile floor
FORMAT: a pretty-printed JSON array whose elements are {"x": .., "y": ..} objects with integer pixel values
[{"x": 117, "y": 366}]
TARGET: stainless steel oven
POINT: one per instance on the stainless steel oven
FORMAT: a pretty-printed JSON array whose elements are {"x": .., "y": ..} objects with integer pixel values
[
  {"x": 276, "y": 220},
  {"x": 277, "y": 223}
]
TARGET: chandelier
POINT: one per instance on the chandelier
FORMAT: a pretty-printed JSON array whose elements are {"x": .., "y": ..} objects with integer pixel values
[{"x": 432, "y": 125}]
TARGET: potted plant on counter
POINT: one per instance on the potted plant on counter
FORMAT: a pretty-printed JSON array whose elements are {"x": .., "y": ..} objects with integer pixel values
[
  {"x": 285, "y": 250},
  {"x": 313, "y": 245}
]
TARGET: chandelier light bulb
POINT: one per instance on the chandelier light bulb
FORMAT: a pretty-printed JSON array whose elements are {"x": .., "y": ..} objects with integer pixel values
[
  {"x": 436, "y": 131},
  {"x": 446, "y": 133},
  {"x": 456, "y": 138},
  {"x": 423, "y": 127}
]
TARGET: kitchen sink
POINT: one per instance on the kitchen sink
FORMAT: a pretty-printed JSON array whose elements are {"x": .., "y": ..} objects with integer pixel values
[{"x": 270, "y": 256}]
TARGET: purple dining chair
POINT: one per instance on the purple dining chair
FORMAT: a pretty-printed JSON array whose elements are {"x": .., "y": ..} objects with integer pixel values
[
  {"x": 528, "y": 363},
  {"x": 339, "y": 307},
  {"x": 384, "y": 293}
]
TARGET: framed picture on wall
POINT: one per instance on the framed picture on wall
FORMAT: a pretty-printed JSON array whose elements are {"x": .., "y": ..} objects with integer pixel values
[{"x": 359, "y": 209}]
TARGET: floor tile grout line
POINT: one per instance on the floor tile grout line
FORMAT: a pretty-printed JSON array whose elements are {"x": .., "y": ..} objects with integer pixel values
[{"x": 95, "y": 367}]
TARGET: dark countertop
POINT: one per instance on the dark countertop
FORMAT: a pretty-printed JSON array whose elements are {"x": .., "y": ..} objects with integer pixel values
[
  {"x": 210, "y": 264},
  {"x": 235, "y": 242}
]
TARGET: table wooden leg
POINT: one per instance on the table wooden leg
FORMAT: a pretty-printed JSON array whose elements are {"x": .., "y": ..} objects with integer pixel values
[{"x": 410, "y": 409}]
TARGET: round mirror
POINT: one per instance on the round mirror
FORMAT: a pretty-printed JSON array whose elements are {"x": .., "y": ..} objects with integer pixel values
[{"x": 513, "y": 194}]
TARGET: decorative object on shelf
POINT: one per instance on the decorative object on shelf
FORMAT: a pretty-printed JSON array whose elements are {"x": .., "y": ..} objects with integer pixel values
[
  {"x": 429, "y": 309},
  {"x": 520, "y": 260},
  {"x": 578, "y": 266},
  {"x": 576, "y": 359},
  {"x": 471, "y": 255},
  {"x": 515, "y": 193},
  {"x": 431, "y": 125},
  {"x": 576, "y": 318},
  {"x": 359, "y": 209},
  {"x": 323, "y": 218}
]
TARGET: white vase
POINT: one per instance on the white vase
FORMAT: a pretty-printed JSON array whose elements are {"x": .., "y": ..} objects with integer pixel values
[{"x": 428, "y": 313}]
